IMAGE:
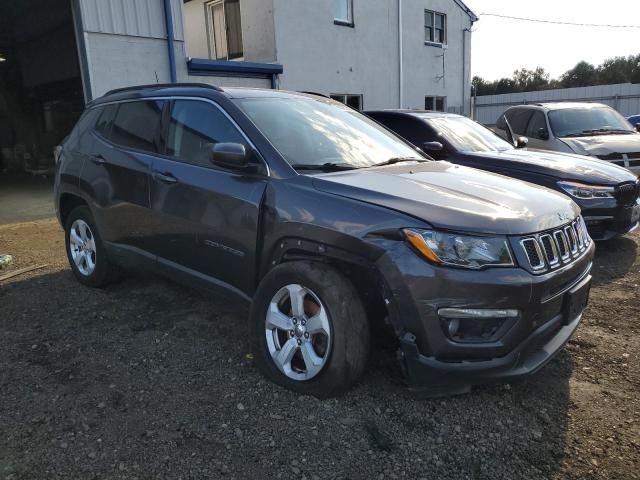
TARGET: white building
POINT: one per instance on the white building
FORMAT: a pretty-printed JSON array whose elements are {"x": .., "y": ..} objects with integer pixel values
[
  {"x": 369, "y": 53},
  {"x": 55, "y": 55}
]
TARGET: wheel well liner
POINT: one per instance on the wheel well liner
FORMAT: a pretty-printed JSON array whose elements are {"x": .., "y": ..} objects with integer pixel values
[{"x": 68, "y": 202}]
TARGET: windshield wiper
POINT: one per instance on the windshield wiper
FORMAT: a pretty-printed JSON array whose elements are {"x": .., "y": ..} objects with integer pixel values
[
  {"x": 394, "y": 160},
  {"x": 598, "y": 131},
  {"x": 324, "y": 167}
]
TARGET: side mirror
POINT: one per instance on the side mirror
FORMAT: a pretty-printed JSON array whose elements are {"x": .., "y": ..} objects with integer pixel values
[
  {"x": 521, "y": 142},
  {"x": 233, "y": 156},
  {"x": 543, "y": 134},
  {"x": 432, "y": 147}
]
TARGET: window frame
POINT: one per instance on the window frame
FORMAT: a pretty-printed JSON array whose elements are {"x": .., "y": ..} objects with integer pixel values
[
  {"x": 163, "y": 131},
  {"x": 343, "y": 100},
  {"x": 434, "y": 102},
  {"x": 211, "y": 37},
  {"x": 434, "y": 29},
  {"x": 345, "y": 22}
]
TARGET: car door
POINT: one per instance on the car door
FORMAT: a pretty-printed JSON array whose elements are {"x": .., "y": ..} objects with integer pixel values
[
  {"x": 206, "y": 217},
  {"x": 538, "y": 131},
  {"x": 117, "y": 173}
]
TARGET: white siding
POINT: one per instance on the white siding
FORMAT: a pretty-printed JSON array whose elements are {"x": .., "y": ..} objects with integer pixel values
[
  {"x": 624, "y": 97},
  {"x": 135, "y": 18}
]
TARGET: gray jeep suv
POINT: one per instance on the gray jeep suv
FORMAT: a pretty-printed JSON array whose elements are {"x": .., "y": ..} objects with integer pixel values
[{"x": 328, "y": 224}]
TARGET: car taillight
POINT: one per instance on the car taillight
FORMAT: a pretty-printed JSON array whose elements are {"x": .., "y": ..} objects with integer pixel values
[{"x": 57, "y": 153}]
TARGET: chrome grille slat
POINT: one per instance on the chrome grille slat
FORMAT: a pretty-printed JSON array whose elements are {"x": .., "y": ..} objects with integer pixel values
[{"x": 553, "y": 249}]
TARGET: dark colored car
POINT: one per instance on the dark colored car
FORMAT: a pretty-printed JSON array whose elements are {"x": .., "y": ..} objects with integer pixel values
[
  {"x": 607, "y": 194},
  {"x": 635, "y": 121},
  {"x": 327, "y": 223}
]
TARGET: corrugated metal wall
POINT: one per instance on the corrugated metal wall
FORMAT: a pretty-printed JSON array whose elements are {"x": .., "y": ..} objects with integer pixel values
[
  {"x": 624, "y": 97},
  {"x": 136, "y": 18}
]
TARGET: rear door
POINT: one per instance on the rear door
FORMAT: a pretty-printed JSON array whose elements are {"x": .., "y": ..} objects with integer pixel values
[
  {"x": 117, "y": 171},
  {"x": 206, "y": 217}
]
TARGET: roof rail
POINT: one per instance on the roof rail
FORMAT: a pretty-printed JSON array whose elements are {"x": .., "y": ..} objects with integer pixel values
[
  {"x": 315, "y": 93},
  {"x": 162, "y": 85}
]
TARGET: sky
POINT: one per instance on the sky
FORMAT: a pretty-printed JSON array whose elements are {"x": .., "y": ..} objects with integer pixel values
[{"x": 500, "y": 46}]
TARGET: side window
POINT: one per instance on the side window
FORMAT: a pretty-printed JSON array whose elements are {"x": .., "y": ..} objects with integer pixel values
[
  {"x": 519, "y": 119},
  {"x": 137, "y": 125},
  {"x": 103, "y": 127},
  {"x": 194, "y": 126},
  {"x": 501, "y": 124},
  {"x": 535, "y": 124},
  {"x": 86, "y": 124}
]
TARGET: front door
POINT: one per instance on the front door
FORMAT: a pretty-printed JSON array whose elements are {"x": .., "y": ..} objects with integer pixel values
[
  {"x": 207, "y": 216},
  {"x": 538, "y": 131}
]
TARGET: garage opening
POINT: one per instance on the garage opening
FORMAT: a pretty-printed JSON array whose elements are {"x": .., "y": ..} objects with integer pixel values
[{"x": 41, "y": 97}]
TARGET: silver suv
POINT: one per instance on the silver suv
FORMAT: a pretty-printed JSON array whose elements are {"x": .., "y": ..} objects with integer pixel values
[{"x": 591, "y": 129}]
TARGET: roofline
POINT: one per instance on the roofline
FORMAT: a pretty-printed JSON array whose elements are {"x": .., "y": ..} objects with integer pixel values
[{"x": 468, "y": 11}]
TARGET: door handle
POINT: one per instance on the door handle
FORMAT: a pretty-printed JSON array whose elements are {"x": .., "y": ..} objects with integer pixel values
[
  {"x": 164, "y": 177},
  {"x": 98, "y": 159}
]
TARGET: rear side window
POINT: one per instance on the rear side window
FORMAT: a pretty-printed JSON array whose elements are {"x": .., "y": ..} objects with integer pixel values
[
  {"x": 137, "y": 124},
  {"x": 195, "y": 126},
  {"x": 107, "y": 114},
  {"x": 519, "y": 119}
]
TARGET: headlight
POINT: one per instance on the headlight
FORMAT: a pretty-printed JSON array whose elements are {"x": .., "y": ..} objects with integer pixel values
[
  {"x": 460, "y": 250},
  {"x": 581, "y": 190}
]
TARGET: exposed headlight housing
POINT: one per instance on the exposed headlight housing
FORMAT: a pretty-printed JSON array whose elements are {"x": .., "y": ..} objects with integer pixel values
[
  {"x": 460, "y": 250},
  {"x": 584, "y": 191}
]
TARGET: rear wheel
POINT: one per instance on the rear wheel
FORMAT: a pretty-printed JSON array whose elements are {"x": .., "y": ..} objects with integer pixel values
[
  {"x": 309, "y": 329},
  {"x": 85, "y": 251}
]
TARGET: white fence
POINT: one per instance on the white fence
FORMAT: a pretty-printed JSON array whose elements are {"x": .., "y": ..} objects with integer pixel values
[{"x": 624, "y": 97}]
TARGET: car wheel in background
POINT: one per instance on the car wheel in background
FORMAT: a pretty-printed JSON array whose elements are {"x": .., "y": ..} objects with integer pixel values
[{"x": 85, "y": 251}]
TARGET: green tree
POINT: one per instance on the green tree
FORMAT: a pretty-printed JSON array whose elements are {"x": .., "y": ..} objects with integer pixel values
[{"x": 582, "y": 75}]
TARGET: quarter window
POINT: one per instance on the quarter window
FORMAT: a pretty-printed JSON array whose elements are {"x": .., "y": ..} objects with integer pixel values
[
  {"x": 351, "y": 100},
  {"x": 136, "y": 125},
  {"x": 435, "y": 27},
  {"x": 225, "y": 29},
  {"x": 343, "y": 12},
  {"x": 103, "y": 127},
  {"x": 194, "y": 127}
]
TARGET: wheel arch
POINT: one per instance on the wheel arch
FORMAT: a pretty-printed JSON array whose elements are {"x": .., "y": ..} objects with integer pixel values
[{"x": 66, "y": 204}]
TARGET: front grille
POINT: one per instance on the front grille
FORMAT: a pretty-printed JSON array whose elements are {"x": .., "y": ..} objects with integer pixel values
[
  {"x": 555, "y": 248},
  {"x": 627, "y": 193}
]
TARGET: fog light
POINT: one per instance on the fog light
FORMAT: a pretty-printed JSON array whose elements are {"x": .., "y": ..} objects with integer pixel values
[{"x": 472, "y": 325}]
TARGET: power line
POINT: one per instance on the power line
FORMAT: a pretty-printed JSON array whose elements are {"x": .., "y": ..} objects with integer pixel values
[{"x": 554, "y": 22}]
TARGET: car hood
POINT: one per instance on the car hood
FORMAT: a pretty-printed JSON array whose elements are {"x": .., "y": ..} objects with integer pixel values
[
  {"x": 604, "y": 144},
  {"x": 454, "y": 197},
  {"x": 565, "y": 166}
]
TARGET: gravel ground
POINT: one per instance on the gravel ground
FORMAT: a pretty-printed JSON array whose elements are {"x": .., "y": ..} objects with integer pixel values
[{"x": 146, "y": 379}]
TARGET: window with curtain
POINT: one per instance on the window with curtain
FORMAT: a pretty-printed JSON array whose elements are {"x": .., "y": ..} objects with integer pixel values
[{"x": 225, "y": 29}]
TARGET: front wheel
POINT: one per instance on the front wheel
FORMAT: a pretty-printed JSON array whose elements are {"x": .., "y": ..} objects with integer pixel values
[{"x": 309, "y": 329}]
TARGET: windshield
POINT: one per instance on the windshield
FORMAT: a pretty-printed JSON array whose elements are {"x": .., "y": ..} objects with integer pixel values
[
  {"x": 316, "y": 132},
  {"x": 465, "y": 135},
  {"x": 580, "y": 122}
]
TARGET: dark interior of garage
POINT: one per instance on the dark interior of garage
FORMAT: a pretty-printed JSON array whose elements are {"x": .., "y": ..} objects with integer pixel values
[{"x": 41, "y": 93}]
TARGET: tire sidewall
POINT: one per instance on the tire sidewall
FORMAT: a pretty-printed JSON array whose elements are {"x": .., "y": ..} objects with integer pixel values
[{"x": 347, "y": 322}]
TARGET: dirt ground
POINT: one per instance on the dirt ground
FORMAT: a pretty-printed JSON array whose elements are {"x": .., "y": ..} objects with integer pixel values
[{"x": 147, "y": 379}]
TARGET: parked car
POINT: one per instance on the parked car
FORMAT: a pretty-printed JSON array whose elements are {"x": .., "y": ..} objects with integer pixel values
[
  {"x": 589, "y": 129},
  {"x": 326, "y": 222},
  {"x": 606, "y": 193},
  {"x": 635, "y": 121}
]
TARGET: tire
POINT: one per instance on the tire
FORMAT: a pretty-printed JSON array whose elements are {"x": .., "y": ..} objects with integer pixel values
[
  {"x": 95, "y": 270},
  {"x": 330, "y": 303}
]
